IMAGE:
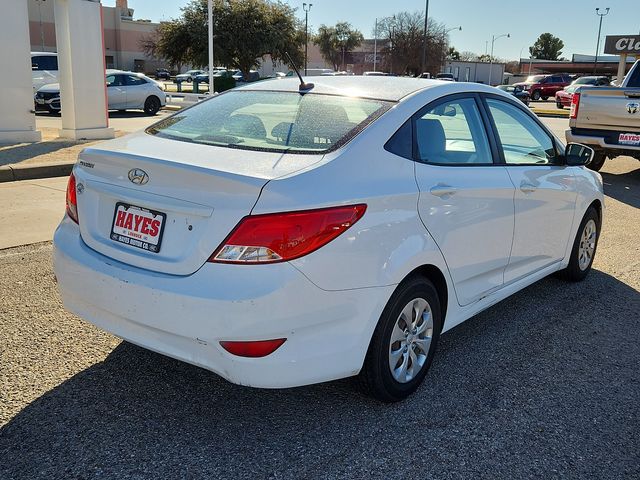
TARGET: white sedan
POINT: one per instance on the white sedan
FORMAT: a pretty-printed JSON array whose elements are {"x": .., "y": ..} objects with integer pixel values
[
  {"x": 281, "y": 237},
  {"x": 125, "y": 91}
]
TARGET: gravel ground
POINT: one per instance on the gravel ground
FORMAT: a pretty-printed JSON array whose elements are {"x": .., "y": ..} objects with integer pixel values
[{"x": 544, "y": 384}]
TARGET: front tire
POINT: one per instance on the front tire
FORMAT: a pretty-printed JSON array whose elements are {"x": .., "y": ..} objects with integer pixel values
[
  {"x": 598, "y": 161},
  {"x": 584, "y": 248},
  {"x": 403, "y": 343},
  {"x": 152, "y": 105},
  {"x": 559, "y": 104},
  {"x": 535, "y": 96}
]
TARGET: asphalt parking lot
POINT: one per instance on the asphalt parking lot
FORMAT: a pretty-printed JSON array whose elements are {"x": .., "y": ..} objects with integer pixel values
[{"x": 544, "y": 384}]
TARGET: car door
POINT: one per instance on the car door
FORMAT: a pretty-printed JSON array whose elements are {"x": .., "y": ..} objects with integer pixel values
[
  {"x": 465, "y": 200},
  {"x": 117, "y": 96},
  {"x": 136, "y": 88},
  {"x": 545, "y": 192}
]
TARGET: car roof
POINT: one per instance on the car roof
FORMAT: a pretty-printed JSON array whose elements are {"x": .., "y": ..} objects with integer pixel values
[{"x": 381, "y": 88}]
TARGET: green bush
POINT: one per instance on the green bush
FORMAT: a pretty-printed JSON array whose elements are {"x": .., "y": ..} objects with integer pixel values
[{"x": 220, "y": 84}]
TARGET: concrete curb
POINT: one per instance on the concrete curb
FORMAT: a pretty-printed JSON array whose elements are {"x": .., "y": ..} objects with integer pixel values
[{"x": 13, "y": 173}]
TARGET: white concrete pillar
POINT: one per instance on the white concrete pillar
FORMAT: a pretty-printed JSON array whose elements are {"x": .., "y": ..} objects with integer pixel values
[
  {"x": 83, "y": 92},
  {"x": 17, "y": 122},
  {"x": 622, "y": 67}
]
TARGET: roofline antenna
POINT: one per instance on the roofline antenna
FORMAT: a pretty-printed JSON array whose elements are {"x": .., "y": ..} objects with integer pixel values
[{"x": 303, "y": 85}]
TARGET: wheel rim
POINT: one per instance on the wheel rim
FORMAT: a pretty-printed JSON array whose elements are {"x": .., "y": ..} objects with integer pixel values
[
  {"x": 151, "y": 105},
  {"x": 410, "y": 340},
  {"x": 587, "y": 245}
]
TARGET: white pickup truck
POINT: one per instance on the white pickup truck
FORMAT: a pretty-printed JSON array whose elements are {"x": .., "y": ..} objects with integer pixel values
[{"x": 608, "y": 119}]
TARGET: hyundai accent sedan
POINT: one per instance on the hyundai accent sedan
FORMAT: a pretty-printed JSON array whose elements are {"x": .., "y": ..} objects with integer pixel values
[{"x": 281, "y": 237}]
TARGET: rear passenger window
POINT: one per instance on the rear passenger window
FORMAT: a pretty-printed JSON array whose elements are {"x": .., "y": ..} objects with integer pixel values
[
  {"x": 135, "y": 80},
  {"x": 452, "y": 133},
  {"x": 402, "y": 142}
]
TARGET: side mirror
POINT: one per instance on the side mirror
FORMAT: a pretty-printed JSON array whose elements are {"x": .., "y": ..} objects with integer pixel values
[{"x": 577, "y": 154}]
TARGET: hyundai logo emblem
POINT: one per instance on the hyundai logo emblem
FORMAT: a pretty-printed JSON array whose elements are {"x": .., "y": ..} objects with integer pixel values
[{"x": 138, "y": 176}]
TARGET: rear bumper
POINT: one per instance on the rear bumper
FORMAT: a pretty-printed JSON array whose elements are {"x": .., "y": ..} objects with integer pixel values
[
  {"x": 186, "y": 317},
  {"x": 599, "y": 142}
]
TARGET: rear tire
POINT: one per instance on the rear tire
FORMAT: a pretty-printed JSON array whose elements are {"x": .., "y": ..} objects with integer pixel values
[
  {"x": 559, "y": 104},
  {"x": 152, "y": 105},
  {"x": 584, "y": 248},
  {"x": 410, "y": 324},
  {"x": 535, "y": 96},
  {"x": 597, "y": 162}
]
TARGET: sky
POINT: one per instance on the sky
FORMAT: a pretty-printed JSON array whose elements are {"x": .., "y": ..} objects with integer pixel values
[{"x": 574, "y": 21}]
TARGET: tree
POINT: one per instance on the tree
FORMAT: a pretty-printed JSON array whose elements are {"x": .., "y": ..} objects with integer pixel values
[
  {"x": 404, "y": 32},
  {"x": 244, "y": 32},
  {"x": 335, "y": 41},
  {"x": 467, "y": 56},
  {"x": 453, "y": 54},
  {"x": 547, "y": 47}
]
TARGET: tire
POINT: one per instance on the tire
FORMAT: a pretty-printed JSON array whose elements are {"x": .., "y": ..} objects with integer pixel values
[
  {"x": 544, "y": 99},
  {"x": 535, "y": 96},
  {"x": 152, "y": 105},
  {"x": 584, "y": 248},
  {"x": 598, "y": 161},
  {"x": 559, "y": 104},
  {"x": 391, "y": 335},
  {"x": 189, "y": 79}
]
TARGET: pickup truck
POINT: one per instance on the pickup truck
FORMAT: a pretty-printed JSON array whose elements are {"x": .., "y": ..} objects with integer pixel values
[{"x": 607, "y": 119}]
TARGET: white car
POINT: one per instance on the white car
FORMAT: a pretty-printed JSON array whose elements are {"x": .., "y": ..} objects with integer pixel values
[
  {"x": 44, "y": 69},
  {"x": 189, "y": 76},
  {"x": 125, "y": 91},
  {"x": 281, "y": 237}
]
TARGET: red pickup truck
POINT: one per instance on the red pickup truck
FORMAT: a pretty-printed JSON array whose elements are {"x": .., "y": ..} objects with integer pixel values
[{"x": 544, "y": 86}]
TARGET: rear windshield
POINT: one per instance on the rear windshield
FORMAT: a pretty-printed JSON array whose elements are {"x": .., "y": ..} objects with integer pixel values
[
  {"x": 535, "y": 78},
  {"x": 273, "y": 121}
]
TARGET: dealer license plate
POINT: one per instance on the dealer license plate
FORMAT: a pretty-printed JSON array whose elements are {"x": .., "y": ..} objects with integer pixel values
[
  {"x": 139, "y": 227},
  {"x": 629, "y": 138}
]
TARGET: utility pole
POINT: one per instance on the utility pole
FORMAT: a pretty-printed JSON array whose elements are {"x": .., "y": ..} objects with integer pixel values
[
  {"x": 424, "y": 40},
  {"x": 41, "y": 30},
  {"x": 306, "y": 8},
  {"x": 210, "y": 34},
  {"x": 493, "y": 40},
  {"x": 595, "y": 64},
  {"x": 375, "y": 46}
]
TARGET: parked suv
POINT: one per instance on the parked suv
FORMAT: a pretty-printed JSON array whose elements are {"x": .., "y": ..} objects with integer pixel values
[{"x": 544, "y": 86}]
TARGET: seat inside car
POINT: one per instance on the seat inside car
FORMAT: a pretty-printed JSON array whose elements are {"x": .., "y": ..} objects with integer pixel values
[
  {"x": 431, "y": 140},
  {"x": 243, "y": 125}
]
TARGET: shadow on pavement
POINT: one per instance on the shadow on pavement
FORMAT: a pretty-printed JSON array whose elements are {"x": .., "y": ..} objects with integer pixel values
[
  {"x": 624, "y": 187},
  {"x": 22, "y": 152},
  {"x": 545, "y": 383}
]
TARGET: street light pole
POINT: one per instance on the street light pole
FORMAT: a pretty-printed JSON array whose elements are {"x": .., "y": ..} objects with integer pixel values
[
  {"x": 375, "y": 46},
  {"x": 493, "y": 40},
  {"x": 306, "y": 9},
  {"x": 210, "y": 32},
  {"x": 444, "y": 39},
  {"x": 41, "y": 30},
  {"x": 424, "y": 40},
  {"x": 595, "y": 64}
]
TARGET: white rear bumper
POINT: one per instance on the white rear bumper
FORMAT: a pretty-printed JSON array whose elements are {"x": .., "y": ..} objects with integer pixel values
[{"x": 186, "y": 317}]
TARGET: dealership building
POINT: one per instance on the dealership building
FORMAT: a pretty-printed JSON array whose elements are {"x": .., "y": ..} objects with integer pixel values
[{"x": 123, "y": 35}]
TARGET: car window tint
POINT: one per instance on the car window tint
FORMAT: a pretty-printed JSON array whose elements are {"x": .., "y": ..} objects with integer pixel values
[
  {"x": 132, "y": 80},
  {"x": 452, "y": 133},
  {"x": 523, "y": 140},
  {"x": 402, "y": 142},
  {"x": 44, "y": 62},
  {"x": 277, "y": 121}
]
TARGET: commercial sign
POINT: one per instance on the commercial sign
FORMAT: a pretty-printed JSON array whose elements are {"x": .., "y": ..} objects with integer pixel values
[{"x": 617, "y": 44}]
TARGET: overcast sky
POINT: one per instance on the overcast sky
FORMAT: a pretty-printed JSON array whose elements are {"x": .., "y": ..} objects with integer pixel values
[{"x": 574, "y": 21}]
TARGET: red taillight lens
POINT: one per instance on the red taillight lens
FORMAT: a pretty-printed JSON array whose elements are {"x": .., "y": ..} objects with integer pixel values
[
  {"x": 278, "y": 237},
  {"x": 260, "y": 348},
  {"x": 72, "y": 202},
  {"x": 575, "y": 104}
]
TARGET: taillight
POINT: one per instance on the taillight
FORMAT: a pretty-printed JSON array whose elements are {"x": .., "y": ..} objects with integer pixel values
[
  {"x": 72, "y": 202},
  {"x": 575, "y": 104},
  {"x": 278, "y": 237},
  {"x": 260, "y": 348}
]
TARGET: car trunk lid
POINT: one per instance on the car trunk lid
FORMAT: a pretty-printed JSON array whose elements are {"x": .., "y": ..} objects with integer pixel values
[{"x": 193, "y": 196}]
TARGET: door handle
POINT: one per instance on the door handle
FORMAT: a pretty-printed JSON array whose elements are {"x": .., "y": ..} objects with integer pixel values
[
  {"x": 441, "y": 190},
  {"x": 527, "y": 187},
  {"x": 632, "y": 94}
]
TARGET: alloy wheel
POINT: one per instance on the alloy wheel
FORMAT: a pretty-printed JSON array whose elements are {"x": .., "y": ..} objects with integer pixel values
[
  {"x": 410, "y": 340},
  {"x": 587, "y": 245}
]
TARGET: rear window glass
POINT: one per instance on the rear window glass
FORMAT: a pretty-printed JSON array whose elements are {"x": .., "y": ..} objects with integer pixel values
[{"x": 274, "y": 121}]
